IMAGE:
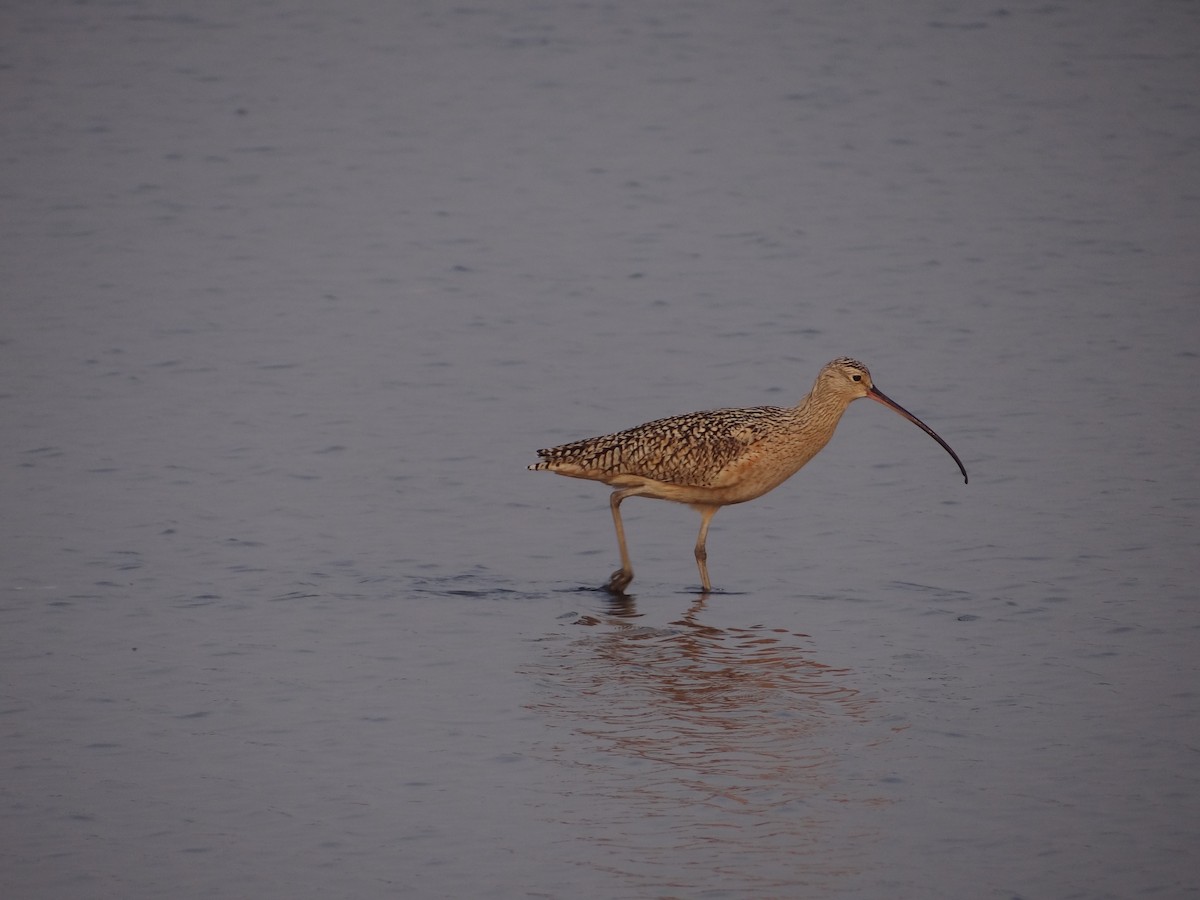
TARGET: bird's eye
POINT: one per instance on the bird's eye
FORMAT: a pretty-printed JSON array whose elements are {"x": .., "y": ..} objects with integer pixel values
[{"x": 856, "y": 378}]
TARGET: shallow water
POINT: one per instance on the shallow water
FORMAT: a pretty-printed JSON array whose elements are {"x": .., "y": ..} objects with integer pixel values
[{"x": 294, "y": 293}]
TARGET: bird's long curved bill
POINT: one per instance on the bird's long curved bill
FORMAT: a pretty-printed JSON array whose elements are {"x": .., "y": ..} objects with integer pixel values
[{"x": 880, "y": 397}]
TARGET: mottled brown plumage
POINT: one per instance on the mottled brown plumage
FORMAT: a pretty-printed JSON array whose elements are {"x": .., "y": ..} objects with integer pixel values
[
  {"x": 687, "y": 449},
  {"x": 718, "y": 457}
]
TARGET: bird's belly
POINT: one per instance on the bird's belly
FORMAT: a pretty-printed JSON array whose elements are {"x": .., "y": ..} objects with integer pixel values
[{"x": 738, "y": 483}]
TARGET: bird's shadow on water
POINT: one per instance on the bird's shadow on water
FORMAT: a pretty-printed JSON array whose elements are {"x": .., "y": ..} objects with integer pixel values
[{"x": 732, "y": 739}]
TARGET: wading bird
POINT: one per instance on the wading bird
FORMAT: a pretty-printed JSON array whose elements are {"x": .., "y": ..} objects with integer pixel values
[{"x": 718, "y": 457}]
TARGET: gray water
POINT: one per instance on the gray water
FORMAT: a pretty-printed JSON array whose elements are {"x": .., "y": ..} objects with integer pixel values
[{"x": 292, "y": 293}]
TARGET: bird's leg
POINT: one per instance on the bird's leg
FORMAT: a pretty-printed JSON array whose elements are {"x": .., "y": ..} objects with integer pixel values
[
  {"x": 706, "y": 514},
  {"x": 620, "y": 579}
]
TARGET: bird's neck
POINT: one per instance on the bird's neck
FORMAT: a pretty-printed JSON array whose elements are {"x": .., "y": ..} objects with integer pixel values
[{"x": 822, "y": 405}]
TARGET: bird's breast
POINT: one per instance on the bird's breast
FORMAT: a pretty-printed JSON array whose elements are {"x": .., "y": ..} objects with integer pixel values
[{"x": 765, "y": 466}]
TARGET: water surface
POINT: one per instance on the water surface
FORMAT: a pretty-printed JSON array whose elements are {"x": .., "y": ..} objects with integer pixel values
[{"x": 293, "y": 294}]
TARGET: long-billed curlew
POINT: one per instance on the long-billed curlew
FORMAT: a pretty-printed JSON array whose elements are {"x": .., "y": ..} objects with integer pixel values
[{"x": 712, "y": 459}]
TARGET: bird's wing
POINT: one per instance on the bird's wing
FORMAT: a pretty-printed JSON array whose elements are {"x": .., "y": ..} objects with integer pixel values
[{"x": 689, "y": 449}]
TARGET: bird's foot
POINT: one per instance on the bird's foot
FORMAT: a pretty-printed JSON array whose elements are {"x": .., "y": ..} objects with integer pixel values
[{"x": 618, "y": 582}]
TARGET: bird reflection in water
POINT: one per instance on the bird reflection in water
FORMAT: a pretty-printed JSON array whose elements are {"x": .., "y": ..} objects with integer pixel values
[{"x": 715, "y": 743}]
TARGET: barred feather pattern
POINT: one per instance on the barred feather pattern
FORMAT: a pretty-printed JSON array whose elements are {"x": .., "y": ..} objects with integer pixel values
[{"x": 690, "y": 449}]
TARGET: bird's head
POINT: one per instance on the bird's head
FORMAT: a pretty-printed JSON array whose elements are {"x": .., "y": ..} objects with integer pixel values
[{"x": 846, "y": 377}]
